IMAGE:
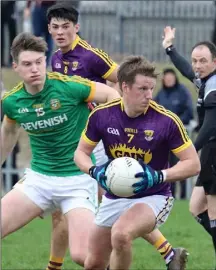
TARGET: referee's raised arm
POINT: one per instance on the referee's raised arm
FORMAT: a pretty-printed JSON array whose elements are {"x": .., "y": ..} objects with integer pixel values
[{"x": 179, "y": 61}]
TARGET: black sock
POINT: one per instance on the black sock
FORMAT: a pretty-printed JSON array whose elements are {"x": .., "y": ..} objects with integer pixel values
[
  {"x": 203, "y": 219},
  {"x": 213, "y": 232}
]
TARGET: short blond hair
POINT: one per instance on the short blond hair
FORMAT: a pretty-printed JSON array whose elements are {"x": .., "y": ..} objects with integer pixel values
[
  {"x": 134, "y": 65},
  {"x": 27, "y": 42}
]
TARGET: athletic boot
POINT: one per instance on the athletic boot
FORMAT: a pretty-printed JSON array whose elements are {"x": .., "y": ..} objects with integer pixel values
[{"x": 179, "y": 260}]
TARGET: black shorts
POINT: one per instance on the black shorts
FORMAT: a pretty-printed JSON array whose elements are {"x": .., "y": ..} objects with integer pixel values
[{"x": 207, "y": 176}]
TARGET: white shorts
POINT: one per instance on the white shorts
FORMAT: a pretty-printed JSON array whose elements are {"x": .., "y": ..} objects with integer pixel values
[
  {"x": 111, "y": 209},
  {"x": 100, "y": 155},
  {"x": 64, "y": 193}
]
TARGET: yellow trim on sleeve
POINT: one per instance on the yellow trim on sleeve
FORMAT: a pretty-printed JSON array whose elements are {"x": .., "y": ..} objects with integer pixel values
[
  {"x": 64, "y": 78},
  {"x": 87, "y": 140},
  {"x": 182, "y": 147},
  {"x": 110, "y": 71},
  {"x": 14, "y": 90},
  {"x": 92, "y": 92},
  {"x": 174, "y": 117},
  {"x": 103, "y": 55}
]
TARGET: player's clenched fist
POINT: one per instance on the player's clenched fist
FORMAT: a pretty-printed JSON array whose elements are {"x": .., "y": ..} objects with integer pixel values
[
  {"x": 168, "y": 37},
  {"x": 98, "y": 173},
  {"x": 149, "y": 176}
]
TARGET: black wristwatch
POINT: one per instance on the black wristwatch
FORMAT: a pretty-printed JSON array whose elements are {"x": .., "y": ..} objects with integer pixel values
[{"x": 169, "y": 49}]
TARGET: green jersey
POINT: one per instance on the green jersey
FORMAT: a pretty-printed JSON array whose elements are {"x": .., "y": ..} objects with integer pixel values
[{"x": 54, "y": 119}]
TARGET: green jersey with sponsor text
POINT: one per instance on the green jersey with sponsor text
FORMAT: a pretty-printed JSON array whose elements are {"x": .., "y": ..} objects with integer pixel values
[{"x": 54, "y": 119}]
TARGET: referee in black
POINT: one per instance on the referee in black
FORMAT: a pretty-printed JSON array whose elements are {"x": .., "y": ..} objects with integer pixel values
[{"x": 202, "y": 73}]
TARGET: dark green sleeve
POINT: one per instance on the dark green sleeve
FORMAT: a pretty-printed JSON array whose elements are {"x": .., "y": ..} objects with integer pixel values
[{"x": 7, "y": 108}]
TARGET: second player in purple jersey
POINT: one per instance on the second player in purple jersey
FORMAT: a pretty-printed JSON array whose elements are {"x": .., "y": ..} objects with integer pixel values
[
  {"x": 85, "y": 61},
  {"x": 150, "y": 137}
]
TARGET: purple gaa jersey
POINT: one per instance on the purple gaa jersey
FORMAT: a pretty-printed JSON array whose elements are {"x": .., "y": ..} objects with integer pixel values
[
  {"x": 150, "y": 137},
  {"x": 85, "y": 61}
]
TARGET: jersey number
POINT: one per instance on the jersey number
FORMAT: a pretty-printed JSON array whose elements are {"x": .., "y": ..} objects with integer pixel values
[
  {"x": 65, "y": 70},
  {"x": 40, "y": 112},
  {"x": 130, "y": 137}
]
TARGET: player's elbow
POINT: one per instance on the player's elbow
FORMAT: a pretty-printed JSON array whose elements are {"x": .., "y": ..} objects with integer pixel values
[
  {"x": 113, "y": 94},
  {"x": 76, "y": 157},
  {"x": 196, "y": 166}
]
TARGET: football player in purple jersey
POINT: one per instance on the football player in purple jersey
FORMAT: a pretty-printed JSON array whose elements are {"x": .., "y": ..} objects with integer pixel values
[
  {"x": 148, "y": 132},
  {"x": 75, "y": 56}
]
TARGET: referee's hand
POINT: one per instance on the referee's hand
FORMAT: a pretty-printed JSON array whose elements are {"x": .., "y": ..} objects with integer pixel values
[{"x": 168, "y": 37}]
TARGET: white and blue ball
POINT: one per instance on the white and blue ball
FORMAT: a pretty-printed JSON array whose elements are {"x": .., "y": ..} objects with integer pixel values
[{"x": 121, "y": 176}]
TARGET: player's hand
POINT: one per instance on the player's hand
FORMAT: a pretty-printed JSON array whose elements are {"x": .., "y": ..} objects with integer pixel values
[
  {"x": 149, "y": 176},
  {"x": 98, "y": 173},
  {"x": 168, "y": 37}
]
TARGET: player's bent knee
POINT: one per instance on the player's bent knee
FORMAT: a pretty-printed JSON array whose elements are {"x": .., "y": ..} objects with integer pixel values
[
  {"x": 195, "y": 208},
  {"x": 198, "y": 202},
  {"x": 4, "y": 231},
  {"x": 195, "y": 211},
  {"x": 120, "y": 239},
  {"x": 94, "y": 263},
  {"x": 78, "y": 257},
  {"x": 5, "y": 228},
  {"x": 192, "y": 209}
]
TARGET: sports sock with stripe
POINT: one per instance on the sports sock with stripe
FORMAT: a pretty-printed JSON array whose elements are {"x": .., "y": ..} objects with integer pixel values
[
  {"x": 165, "y": 249},
  {"x": 55, "y": 263}
]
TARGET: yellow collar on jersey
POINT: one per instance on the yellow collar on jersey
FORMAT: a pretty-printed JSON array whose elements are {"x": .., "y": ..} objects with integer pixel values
[
  {"x": 122, "y": 107},
  {"x": 75, "y": 42}
]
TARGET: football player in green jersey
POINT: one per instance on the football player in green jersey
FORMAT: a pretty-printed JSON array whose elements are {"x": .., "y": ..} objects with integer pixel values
[{"x": 51, "y": 107}]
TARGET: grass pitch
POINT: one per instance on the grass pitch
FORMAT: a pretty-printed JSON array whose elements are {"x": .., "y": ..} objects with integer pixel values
[{"x": 29, "y": 247}]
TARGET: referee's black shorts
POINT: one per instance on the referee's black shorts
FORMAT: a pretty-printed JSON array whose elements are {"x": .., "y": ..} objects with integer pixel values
[{"x": 207, "y": 176}]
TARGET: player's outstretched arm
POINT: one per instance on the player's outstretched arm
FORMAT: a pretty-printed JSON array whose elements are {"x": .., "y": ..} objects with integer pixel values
[
  {"x": 9, "y": 137},
  {"x": 104, "y": 93},
  {"x": 179, "y": 61},
  {"x": 188, "y": 165}
]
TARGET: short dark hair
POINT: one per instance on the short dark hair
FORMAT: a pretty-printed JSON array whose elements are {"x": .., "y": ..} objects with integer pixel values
[
  {"x": 63, "y": 11},
  {"x": 132, "y": 66},
  {"x": 27, "y": 42},
  {"x": 210, "y": 45}
]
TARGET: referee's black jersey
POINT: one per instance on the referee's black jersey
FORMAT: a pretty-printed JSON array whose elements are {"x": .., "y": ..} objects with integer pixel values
[
  {"x": 206, "y": 102},
  {"x": 206, "y": 95}
]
